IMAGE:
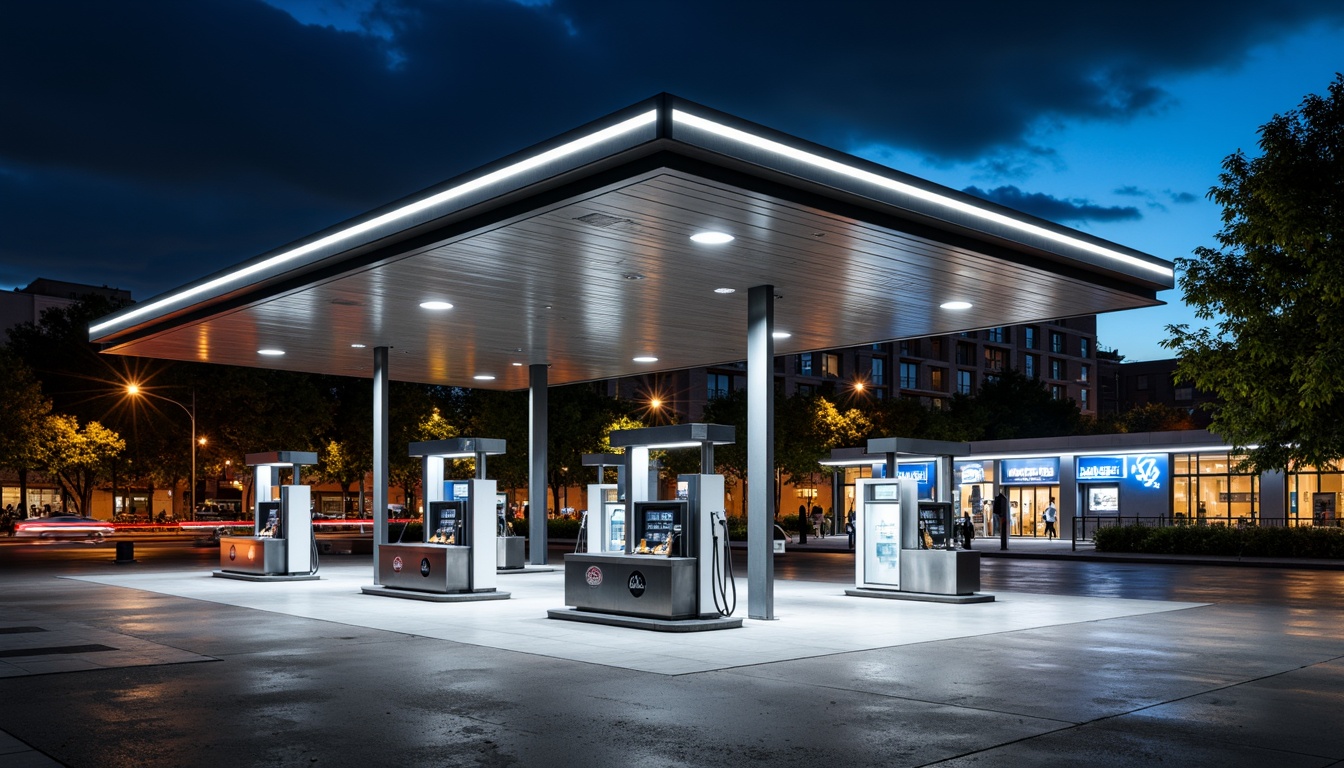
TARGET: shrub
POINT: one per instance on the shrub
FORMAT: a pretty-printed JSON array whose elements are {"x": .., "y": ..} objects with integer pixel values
[{"x": 1221, "y": 540}]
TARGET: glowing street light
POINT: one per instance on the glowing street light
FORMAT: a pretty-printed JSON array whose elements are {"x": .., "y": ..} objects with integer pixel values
[{"x": 135, "y": 390}]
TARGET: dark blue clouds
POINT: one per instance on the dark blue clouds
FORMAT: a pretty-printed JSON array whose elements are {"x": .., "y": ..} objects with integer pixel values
[
  {"x": 160, "y": 139},
  {"x": 1053, "y": 208}
]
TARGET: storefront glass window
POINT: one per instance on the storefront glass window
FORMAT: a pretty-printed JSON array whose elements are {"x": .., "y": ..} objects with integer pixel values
[
  {"x": 1314, "y": 495},
  {"x": 1208, "y": 483}
]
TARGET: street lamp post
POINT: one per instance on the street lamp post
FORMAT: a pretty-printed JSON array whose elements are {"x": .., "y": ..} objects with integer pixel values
[{"x": 135, "y": 390}]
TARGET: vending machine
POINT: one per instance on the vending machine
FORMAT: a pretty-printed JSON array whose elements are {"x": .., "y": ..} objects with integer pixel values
[
  {"x": 884, "y": 502},
  {"x": 606, "y": 519}
]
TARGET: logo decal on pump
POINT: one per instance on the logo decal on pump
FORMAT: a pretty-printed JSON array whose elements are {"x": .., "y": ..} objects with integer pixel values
[
  {"x": 636, "y": 584},
  {"x": 424, "y": 566},
  {"x": 233, "y": 552},
  {"x": 251, "y": 552},
  {"x": 396, "y": 564},
  {"x": 593, "y": 576}
]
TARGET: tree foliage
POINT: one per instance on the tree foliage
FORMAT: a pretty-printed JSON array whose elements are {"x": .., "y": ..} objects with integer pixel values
[
  {"x": 1273, "y": 289},
  {"x": 77, "y": 456}
]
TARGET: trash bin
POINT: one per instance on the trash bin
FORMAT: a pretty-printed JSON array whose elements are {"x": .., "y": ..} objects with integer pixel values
[{"x": 125, "y": 552}]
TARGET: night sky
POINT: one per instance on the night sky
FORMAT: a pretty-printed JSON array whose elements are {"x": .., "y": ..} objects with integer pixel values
[{"x": 145, "y": 144}]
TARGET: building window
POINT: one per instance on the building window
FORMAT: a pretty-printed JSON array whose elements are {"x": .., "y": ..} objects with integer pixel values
[
  {"x": 878, "y": 375},
  {"x": 806, "y": 390},
  {"x": 1084, "y": 371},
  {"x": 830, "y": 365},
  {"x": 1185, "y": 393},
  {"x": 936, "y": 380},
  {"x": 1057, "y": 342},
  {"x": 805, "y": 364},
  {"x": 995, "y": 359},
  {"x": 1082, "y": 399},
  {"x": 936, "y": 403},
  {"x": 720, "y": 385},
  {"x": 997, "y": 335},
  {"x": 909, "y": 376},
  {"x": 936, "y": 349},
  {"x": 1141, "y": 382},
  {"x": 1058, "y": 392},
  {"x": 1029, "y": 366},
  {"x": 965, "y": 354},
  {"x": 964, "y": 384},
  {"x": 1083, "y": 348},
  {"x": 1029, "y": 334},
  {"x": 879, "y": 394},
  {"x": 1057, "y": 369},
  {"x": 1205, "y": 487}
]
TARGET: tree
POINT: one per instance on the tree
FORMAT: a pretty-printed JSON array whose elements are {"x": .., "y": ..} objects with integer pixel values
[
  {"x": 1273, "y": 290},
  {"x": 1011, "y": 406},
  {"x": 21, "y": 419},
  {"x": 77, "y": 457}
]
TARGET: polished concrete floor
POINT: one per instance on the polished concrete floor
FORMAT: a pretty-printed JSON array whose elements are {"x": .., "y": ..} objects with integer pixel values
[{"x": 216, "y": 672}]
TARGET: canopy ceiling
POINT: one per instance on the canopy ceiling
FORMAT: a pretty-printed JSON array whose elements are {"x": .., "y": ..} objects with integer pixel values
[{"x": 577, "y": 253}]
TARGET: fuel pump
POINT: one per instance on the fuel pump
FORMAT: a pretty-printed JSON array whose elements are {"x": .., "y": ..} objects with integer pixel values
[
  {"x": 283, "y": 544},
  {"x": 674, "y": 563}
]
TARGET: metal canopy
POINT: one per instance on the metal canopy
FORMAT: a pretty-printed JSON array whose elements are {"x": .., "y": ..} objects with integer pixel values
[
  {"x": 576, "y": 254},
  {"x": 458, "y": 448}
]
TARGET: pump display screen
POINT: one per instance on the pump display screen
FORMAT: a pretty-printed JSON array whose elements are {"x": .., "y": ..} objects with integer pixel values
[
  {"x": 268, "y": 517},
  {"x": 658, "y": 522},
  {"x": 457, "y": 490}
]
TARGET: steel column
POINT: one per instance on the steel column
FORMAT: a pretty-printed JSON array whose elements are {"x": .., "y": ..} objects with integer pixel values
[
  {"x": 536, "y": 456},
  {"x": 380, "y": 434},
  {"x": 760, "y": 452}
]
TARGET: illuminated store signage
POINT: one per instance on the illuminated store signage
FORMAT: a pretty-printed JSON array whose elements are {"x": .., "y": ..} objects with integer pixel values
[
  {"x": 924, "y": 473},
  {"x": 970, "y": 472},
  {"x": 1029, "y": 471},
  {"x": 1141, "y": 472}
]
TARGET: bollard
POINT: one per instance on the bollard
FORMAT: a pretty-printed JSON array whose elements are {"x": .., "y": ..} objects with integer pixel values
[{"x": 125, "y": 552}]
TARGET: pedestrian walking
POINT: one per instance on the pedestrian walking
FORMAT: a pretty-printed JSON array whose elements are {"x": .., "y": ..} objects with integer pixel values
[{"x": 1049, "y": 516}]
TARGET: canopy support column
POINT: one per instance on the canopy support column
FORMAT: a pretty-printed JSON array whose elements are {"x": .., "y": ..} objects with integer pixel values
[
  {"x": 380, "y": 433},
  {"x": 537, "y": 438},
  {"x": 760, "y": 452}
]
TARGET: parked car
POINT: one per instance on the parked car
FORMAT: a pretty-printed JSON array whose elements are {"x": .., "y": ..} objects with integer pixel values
[{"x": 64, "y": 527}]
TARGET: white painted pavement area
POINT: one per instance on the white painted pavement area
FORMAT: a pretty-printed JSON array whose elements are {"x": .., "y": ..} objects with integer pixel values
[{"x": 813, "y": 618}]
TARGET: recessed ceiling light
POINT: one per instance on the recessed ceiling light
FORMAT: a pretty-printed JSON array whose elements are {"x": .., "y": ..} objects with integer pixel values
[
  {"x": 955, "y": 305},
  {"x": 780, "y": 334},
  {"x": 517, "y": 365},
  {"x": 435, "y": 305},
  {"x": 646, "y": 359},
  {"x": 356, "y": 346},
  {"x": 725, "y": 290},
  {"x": 712, "y": 238},
  {"x": 271, "y": 352},
  {"x": 484, "y": 377}
]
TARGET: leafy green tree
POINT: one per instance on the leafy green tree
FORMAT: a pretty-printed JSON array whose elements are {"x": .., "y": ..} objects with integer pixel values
[
  {"x": 502, "y": 416},
  {"x": 1273, "y": 290},
  {"x": 77, "y": 456},
  {"x": 21, "y": 419},
  {"x": 731, "y": 460},
  {"x": 1011, "y": 406}
]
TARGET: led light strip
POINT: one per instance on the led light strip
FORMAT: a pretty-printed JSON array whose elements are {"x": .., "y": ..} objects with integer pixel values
[
  {"x": 757, "y": 142},
  {"x": 410, "y": 209}
]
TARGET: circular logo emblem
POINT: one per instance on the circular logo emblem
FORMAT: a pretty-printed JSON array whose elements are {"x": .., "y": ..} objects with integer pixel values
[
  {"x": 636, "y": 584},
  {"x": 251, "y": 553},
  {"x": 233, "y": 552},
  {"x": 396, "y": 564},
  {"x": 593, "y": 576},
  {"x": 424, "y": 566}
]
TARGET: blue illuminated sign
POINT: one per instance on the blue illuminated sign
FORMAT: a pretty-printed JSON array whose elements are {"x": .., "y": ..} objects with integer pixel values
[
  {"x": 1139, "y": 472},
  {"x": 924, "y": 473},
  {"x": 1029, "y": 471},
  {"x": 1094, "y": 469},
  {"x": 970, "y": 472}
]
